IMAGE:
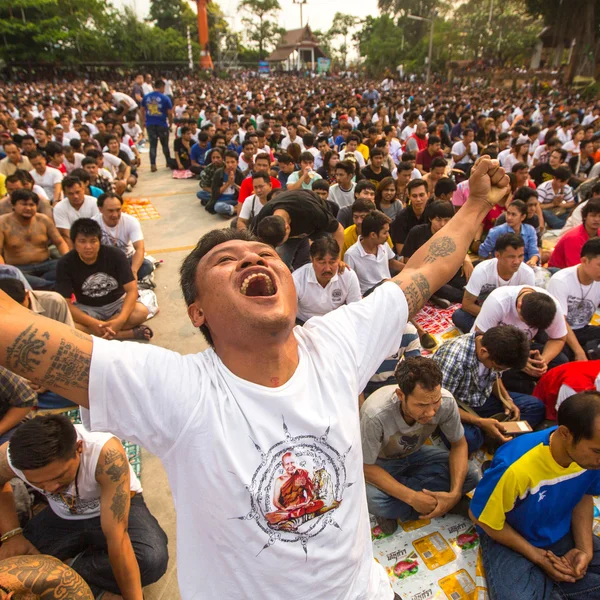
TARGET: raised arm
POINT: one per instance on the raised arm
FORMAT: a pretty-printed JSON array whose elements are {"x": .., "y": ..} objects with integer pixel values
[
  {"x": 44, "y": 351},
  {"x": 436, "y": 262}
]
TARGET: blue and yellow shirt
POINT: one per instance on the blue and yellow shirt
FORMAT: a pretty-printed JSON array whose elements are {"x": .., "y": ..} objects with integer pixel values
[{"x": 526, "y": 488}]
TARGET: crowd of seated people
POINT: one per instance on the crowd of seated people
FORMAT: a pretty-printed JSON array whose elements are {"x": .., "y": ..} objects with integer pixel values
[{"x": 374, "y": 176}]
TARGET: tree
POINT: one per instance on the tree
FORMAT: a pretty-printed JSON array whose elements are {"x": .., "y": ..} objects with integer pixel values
[
  {"x": 168, "y": 14},
  {"x": 341, "y": 27},
  {"x": 265, "y": 31}
]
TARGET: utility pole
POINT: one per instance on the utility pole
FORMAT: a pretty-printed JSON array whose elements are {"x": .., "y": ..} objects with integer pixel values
[
  {"x": 205, "y": 59},
  {"x": 431, "y": 21},
  {"x": 301, "y": 3}
]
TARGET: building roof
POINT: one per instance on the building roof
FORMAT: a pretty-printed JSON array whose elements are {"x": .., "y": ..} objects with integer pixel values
[{"x": 292, "y": 40}]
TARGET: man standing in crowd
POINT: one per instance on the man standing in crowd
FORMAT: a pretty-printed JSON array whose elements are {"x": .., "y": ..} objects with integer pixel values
[{"x": 157, "y": 116}]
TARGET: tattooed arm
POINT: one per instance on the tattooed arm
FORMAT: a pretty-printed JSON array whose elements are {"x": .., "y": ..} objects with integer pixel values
[
  {"x": 436, "y": 262},
  {"x": 44, "y": 351},
  {"x": 44, "y": 576},
  {"x": 112, "y": 473}
]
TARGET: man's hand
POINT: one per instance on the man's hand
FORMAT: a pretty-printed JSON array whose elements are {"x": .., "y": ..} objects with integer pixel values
[
  {"x": 96, "y": 328},
  {"x": 554, "y": 566},
  {"x": 423, "y": 503},
  {"x": 578, "y": 560},
  {"x": 558, "y": 200},
  {"x": 342, "y": 266},
  {"x": 112, "y": 327},
  {"x": 445, "y": 502},
  {"x": 17, "y": 546},
  {"x": 511, "y": 410},
  {"x": 494, "y": 429},
  {"x": 536, "y": 365},
  {"x": 489, "y": 182}
]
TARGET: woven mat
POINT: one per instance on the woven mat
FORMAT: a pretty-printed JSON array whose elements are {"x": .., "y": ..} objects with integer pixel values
[{"x": 141, "y": 208}]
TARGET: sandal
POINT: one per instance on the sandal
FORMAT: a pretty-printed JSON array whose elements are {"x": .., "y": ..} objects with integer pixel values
[{"x": 143, "y": 333}]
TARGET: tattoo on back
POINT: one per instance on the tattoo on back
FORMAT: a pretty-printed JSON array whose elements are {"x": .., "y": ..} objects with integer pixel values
[
  {"x": 25, "y": 353},
  {"x": 70, "y": 367},
  {"x": 44, "y": 576},
  {"x": 417, "y": 292},
  {"x": 119, "y": 503},
  {"x": 440, "y": 248}
]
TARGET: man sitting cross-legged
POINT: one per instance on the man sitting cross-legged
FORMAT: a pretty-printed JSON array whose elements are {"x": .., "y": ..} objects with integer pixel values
[
  {"x": 534, "y": 509},
  {"x": 24, "y": 239},
  {"x": 407, "y": 480},
  {"x": 106, "y": 294},
  {"x": 96, "y": 514}
]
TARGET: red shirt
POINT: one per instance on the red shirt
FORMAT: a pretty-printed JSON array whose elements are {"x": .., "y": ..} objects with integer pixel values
[
  {"x": 567, "y": 253},
  {"x": 246, "y": 189},
  {"x": 424, "y": 158},
  {"x": 421, "y": 143}
]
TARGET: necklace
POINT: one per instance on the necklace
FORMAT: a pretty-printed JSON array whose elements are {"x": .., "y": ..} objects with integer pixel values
[
  {"x": 584, "y": 296},
  {"x": 71, "y": 505}
]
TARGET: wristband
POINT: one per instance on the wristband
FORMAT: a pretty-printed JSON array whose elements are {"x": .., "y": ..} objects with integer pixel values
[{"x": 10, "y": 534}]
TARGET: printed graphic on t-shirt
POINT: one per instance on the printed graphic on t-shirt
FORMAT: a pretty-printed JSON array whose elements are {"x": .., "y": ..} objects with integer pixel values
[
  {"x": 74, "y": 504},
  {"x": 111, "y": 240},
  {"x": 579, "y": 311},
  {"x": 296, "y": 488},
  {"x": 153, "y": 108},
  {"x": 98, "y": 285},
  {"x": 405, "y": 444}
]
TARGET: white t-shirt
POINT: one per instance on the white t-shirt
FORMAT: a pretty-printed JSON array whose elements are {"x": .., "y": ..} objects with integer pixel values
[
  {"x": 546, "y": 192},
  {"x": 286, "y": 141},
  {"x": 578, "y": 301},
  {"x": 222, "y": 439},
  {"x": 85, "y": 498},
  {"x": 124, "y": 235},
  {"x": 47, "y": 181},
  {"x": 340, "y": 196},
  {"x": 316, "y": 300},
  {"x": 502, "y": 156},
  {"x": 119, "y": 97},
  {"x": 135, "y": 132},
  {"x": 370, "y": 269},
  {"x": 252, "y": 203},
  {"x": 500, "y": 308},
  {"x": 40, "y": 191},
  {"x": 485, "y": 278},
  {"x": 360, "y": 159},
  {"x": 76, "y": 164},
  {"x": 65, "y": 215},
  {"x": 459, "y": 147},
  {"x": 112, "y": 163}
]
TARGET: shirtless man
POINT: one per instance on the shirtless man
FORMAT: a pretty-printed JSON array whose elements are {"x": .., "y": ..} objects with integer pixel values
[
  {"x": 22, "y": 180},
  {"x": 24, "y": 239},
  {"x": 21, "y": 575}
]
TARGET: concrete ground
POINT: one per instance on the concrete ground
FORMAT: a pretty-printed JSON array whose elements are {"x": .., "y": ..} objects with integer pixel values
[{"x": 182, "y": 222}]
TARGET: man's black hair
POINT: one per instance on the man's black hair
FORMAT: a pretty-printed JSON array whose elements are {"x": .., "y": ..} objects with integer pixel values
[
  {"x": 538, "y": 310},
  {"x": 434, "y": 139},
  {"x": 417, "y": 370},
  {"x": 232, "y": 154},
  {"x": 437, "y": 162},
  {"x": 307, "y": 157},
  {"x": 440, "y": 209},
  {"x": 14, "y": 288},
  {"x": 364, "y": 184},
  {"x": 591, "y": 249},
  {"x": 509, "y": 240},
  {"x": 86, "y": 227},
  {"x": 324, "y": 246},
  {"x": 579, "y": 413},
  {"x": 562, "y": 173},
  {"x": 262, "y": 175},
  {"x": 53, "y": 148},
  {"x": 40, "y": 441},
  {"x": 444, "y": 186},
  {"x": 286, "y": 159},
  {"x": 507, "y": 345},
  {"x": 24, "y": 195},
  {"x": 347, "y": 166},
  {"x": 320, "y": 184},
  {"x": 362, "y": 205},
  {"x": 308, "y": 139},
  {"x": 524, "y": 193},
  {"x": 271, "y": 230},
  {"x": 374, "y": 223},
  {"x": 102, "y": 198},
  {"x": 405, "y": 166},
  {"x": 519, "y": 167},
  {"x": 591, "y": 208},
  {"x": 70, "y": 181},
  {"x": 93, "y": 153},
  {"x": 377, "y": 151},
  {"x": 416, "y": 183}
]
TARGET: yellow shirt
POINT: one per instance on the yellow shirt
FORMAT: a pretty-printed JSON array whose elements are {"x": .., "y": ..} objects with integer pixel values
[
  {"x": 364, "y": 150},
  {"x": 351, "y": 237},
  {"x": 2, "y": 185}
]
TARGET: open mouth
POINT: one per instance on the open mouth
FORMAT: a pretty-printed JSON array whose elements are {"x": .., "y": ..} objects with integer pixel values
[{"x": 258, "y": 284}]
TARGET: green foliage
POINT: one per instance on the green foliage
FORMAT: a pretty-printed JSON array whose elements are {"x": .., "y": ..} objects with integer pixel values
[
  {"x": 341, "y": 28},
  {"x": 260, "y": 29}
]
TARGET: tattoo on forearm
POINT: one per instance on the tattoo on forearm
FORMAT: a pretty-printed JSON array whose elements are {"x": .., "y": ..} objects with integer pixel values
[
  {"x": 440, "y": 248},
  {"x": 116, "y": 465},
  {"x": 417, "y": 292},
  {"x": 119, "y": 503},
  {"x": 70, "y": 367},
  {"x": 44, "y": 576},
  {"x": 25, "y": 353}
]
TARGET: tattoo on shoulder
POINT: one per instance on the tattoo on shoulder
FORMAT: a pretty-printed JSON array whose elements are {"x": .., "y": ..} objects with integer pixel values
[
  {"x": 116, "y": 464},
  {"x": 26, "y": 352},
  {"x": 417, "y": 292},
  {"x": 70, "y": 367},
  {"x": 45, "y": 577},
  {"x": 440, "y": 248},
  {"x": 119, "y": 503}
]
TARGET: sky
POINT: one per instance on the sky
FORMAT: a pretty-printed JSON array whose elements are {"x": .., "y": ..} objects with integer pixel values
[{"x": 318, "y": 13}]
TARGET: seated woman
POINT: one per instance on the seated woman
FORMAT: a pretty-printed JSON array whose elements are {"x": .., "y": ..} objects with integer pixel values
[{"x": 385, "y": 198}]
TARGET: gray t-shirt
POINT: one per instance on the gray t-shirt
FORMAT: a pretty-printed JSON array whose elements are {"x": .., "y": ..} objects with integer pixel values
[{"x": 386, "y": 435}]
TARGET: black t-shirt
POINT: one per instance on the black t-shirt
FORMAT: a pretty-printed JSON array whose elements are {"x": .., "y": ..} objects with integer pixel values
[
  {"x": 403, "y": 223},
  {"x": 182, "y": 152},
  {"x": 308, "y": 213},
  {"x": 94, "y": 285},
  {"x": 541, "y": 173},
  {"x": 416, "y": 237},
  {"x": 375, "y": 178}
]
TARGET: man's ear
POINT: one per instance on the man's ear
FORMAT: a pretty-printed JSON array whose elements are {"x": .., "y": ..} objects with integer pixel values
[
  {"x": 196, "y": 315},
  {"x": 400, "y": 394}
]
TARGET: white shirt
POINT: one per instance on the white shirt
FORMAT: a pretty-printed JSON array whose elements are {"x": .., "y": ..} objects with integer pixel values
[
  {"x": 86, "y": 497},
  {"x": 502, "y": 156},
  {"x": 575, "y": 218},
  {"x": 500, "y": 308},
  {"x": 112, "y": 163},
  {"x": 127, "y": 232},
  {"x": 251, "y": 204},
  {"x": 546, "y": 192},
  {"x": 286, "y": 141},
  {"x": 76, "y": 164},
  {"x": 360, "y": 159},
  {"x": 119, "y": 97},
  {"x": 134, "y": 131},
  {"x": 316, "y": 300},
  {"x": 341, "y": 197},
  {"x": 370, "y": 269},
  {"x": 459, "y": 147},
  {"x": 47, "y": 181},
  {"x": 147, "y": 88},
  {"x": 65, "y": 215},
  {"x": 407, "y": 132},
  {"x": 485, "y": 278},
  {"x": 578, "y": 301},
  {"x": 221, "y": 440}
]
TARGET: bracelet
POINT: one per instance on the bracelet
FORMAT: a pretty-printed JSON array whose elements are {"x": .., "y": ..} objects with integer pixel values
[{"x": 10, "y": 534}]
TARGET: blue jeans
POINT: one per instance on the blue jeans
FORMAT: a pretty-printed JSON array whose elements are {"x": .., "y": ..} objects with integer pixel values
[
  {"x": 156, "y": 133},
  {"x": 532, "y": 410},
  {"x": 511, "y": 576},
  {"x": 203, "y": 196},
  {"x": 463, "y": 320},
  {"x": 427, "y": 468},
  {"x": 553, "y": 221},
  {"x": 41, "y": 276},
  {"x": 225, "y": 204},
  {"x": 64, "y": 539},
  {"x": 145, "y": 268}
]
